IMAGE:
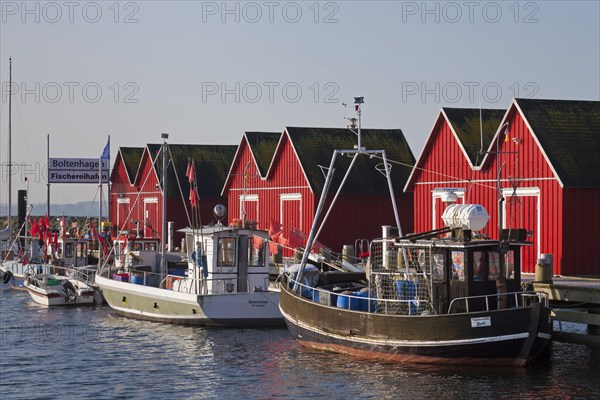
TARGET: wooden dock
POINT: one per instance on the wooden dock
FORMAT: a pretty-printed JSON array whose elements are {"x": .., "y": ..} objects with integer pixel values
[{"x": 575, "y": 300}]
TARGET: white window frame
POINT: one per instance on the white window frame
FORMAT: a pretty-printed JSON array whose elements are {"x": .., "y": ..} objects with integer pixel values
[
  {"x": 246, "y": 198},
  {"x": 525, "y": 192},
  {"x": 290, "y": 197}
]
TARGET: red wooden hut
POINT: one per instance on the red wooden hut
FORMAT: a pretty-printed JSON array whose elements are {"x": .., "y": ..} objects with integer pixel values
[
  {"x": 136, "y": 204},
  {"x": 545, "y": 154},
  {"x": 279, "y": 177}
]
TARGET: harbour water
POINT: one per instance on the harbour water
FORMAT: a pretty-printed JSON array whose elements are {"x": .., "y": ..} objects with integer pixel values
[{"x": 92, "y": 353}]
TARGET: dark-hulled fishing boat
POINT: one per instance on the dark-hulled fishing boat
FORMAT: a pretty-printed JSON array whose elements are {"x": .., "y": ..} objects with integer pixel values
[
  {"x": 443, "y": 306},
  {"x": 438, "y": 297}
]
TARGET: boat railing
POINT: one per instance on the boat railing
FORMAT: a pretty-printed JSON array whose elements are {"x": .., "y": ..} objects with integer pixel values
[
  {"x": 526, "y": 299},
  {"x": 368, "y": 303},
  {"x": 85, "y": 276}
]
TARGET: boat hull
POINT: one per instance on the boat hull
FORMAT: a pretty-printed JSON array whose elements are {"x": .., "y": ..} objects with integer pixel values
[
  {"x": 58, "y": 297},
  {"x": 255, "y": 309},
  {"x": 498, "y": 337}
]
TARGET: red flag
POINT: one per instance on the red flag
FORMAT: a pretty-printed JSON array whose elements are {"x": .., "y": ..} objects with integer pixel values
[
  {"x": 297, "y": 238},
  {"x": 55, "y": 239},
  {"x": 194, "y": 197},
  {"x": 273, "y": 247},
  {"x": 275, "y": 229},
  {"x": 191, "y": 172},
  {"x": 187, "y": 170},
  {"x": 47, "y": 222},
  {"x": 257, "y": 242},
  {"x": 33, "y": 231},
  {"x": 282, "y": 241},
  {"x": 63, "y": 228}
]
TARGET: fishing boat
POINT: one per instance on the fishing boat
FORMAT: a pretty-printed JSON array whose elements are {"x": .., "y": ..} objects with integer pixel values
[
  {"x": 444, "y": 296},
  {"x": 57, "y": 290},
  {"x": 225, "y": 281}
]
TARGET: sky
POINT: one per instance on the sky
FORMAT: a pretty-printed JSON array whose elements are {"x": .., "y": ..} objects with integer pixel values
[{"x": 206, "y": 71}]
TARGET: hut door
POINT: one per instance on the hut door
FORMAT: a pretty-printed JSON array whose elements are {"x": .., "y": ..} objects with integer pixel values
[
  {"x": 123, "y": 208},
  {"x": 291, "y": 214},
  {"x": 521, "y": 210},
  {"x": 150, "y": 222},
  {"x": 249, "y": 207}
]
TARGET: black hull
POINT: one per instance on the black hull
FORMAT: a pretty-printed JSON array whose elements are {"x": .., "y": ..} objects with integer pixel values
[{"x": 514, "y": 336}]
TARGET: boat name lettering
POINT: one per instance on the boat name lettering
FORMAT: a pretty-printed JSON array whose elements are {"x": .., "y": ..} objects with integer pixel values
[
  {"x": 480, "y": 322},
  {"x": 257, "y": 303}
]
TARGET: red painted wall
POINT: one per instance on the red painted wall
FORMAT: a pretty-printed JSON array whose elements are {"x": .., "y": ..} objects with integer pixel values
[{"x": 523, "y": 166}]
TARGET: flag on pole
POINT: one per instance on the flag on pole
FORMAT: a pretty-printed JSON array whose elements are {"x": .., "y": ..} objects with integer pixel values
[
  {"x": 106, "y": 152},
  {"x": 191, "y": 171}
]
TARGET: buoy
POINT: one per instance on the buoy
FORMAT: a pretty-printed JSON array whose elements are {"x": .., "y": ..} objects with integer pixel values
[{"x": 7, "y": 276}]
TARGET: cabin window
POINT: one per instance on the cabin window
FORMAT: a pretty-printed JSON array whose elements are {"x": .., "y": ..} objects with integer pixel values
[
  {"x": 458, "y": 266},
  {"x": 81, "y": 250},
  {"x": 439, "y": 266},
  {"x": 68, "y": 250},
  {"x": 136, "y": 246},
  {"x": 149, "y": 246},
  {"x": 226, "y": 252},
  {"x": 255, "y": 252},
  {"x": 509, "y": 264},
  {"x": 480, "y": 266},
  {"x": 494, "y": 265}
]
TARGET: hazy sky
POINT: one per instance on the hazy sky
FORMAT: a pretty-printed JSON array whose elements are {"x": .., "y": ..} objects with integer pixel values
[{"x": 206, "y": 71}]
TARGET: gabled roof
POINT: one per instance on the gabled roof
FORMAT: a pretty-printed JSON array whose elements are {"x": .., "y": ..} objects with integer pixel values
[
  {"x": 131, "y": 157},
  {"x": 262, "y": 146},
  {"x": 465, "y": 126},
  {"x": 314, "y": 147},
  {"x": 473, "y": 127},
  {"x": 568, "y": 132},
  {"x": 212, "y": 165}
]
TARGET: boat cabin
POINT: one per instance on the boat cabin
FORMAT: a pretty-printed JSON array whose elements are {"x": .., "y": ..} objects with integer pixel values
[
  {"x": 460, "y": 269},
  {"x": 69, "y": 251},
  {"x": 228, "y": 259},
  {"x": 133, "y": 251}
]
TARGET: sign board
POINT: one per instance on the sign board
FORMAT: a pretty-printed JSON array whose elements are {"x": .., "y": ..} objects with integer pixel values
[
  {"x": 77, "y": 170},
  {"x": 481, "y": 322}
]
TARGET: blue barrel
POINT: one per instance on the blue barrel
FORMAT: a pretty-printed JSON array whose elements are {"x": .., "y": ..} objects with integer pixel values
[
  {"x": 137, "y": 280},
  {"x": 342, "y": 301},
  {"x": 407, "y": 290},
  {"x": 363, "y": 304}
]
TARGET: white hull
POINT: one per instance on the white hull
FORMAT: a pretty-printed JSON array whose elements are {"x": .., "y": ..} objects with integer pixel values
[
  {"x": 58, "y": 296},
  {"x": 165, "y": 305}
]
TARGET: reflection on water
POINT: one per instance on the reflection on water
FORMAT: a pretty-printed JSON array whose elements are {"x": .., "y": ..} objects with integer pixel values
[{"x": 93, "y": 353}]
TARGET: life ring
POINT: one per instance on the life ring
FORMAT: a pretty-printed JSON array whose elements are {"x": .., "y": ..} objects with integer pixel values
[{"x": 8, "y": 275}]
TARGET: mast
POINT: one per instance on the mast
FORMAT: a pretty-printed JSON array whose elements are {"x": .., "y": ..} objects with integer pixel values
[
  {"x": 358, "y": 150},
  {"x": 99, "y": 231},
  {"x": 163, "y": 260},
  {"x": 10, "y": 148},
  {"x": 48, "y": 183}
]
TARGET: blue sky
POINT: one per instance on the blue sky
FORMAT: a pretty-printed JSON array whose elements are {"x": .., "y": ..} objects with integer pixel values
[{"x": 206, "y": 71}]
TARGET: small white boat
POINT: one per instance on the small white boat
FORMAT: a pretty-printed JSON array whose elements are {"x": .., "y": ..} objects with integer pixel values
[
  {"x": 56, "y": 290},
  {"x": 225, "y": 281}
]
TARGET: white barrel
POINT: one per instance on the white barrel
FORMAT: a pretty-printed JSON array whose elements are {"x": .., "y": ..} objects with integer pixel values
[{"x": 466, "y": 216}]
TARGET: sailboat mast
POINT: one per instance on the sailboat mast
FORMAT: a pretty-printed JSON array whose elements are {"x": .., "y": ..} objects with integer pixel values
[
  {"x": 10, "y": 147},
  {"x": 163, "y": 260}
]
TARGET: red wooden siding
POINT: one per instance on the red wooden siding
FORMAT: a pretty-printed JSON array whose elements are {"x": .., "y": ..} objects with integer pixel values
[
  {"x": 554, "y": 223},
  {"x": 353, "y": 217}
]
